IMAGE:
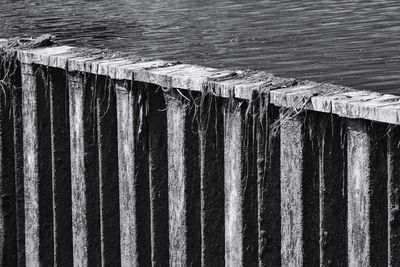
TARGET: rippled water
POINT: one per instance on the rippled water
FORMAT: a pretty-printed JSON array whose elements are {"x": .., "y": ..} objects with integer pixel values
[{"x": 354, "y": 43}]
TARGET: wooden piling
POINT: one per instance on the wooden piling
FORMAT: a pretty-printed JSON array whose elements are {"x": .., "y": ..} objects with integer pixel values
[
  {"x": 183, "y": 184},
  {"x": 84, "y": 173},
  {"x": 292, "y": 147},
  {"x": 8, "y": 193},
  {"x": 367, "y": 195},
  {"x": 133, "y": 176},
  {"x": 299, "y": 192},
  {"x": 268, "y": 184},
  {"x": 393, "y": 197},
  {"x": 331, "y": 144},
  {"x": 61, "y": 168},
  {"x": 106, "y": 109},
  {"x": 126, "y": 163},
  {"x": 158, "y": 176},
  {"x": 211, "y": 123},
  {"x": 19, "y": 165},
  {"x": 240, "y": 179},
  {"x": 37, "y": 169}
]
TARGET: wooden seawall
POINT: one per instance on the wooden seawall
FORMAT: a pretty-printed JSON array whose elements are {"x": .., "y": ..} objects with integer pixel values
[{"x": 110, "y": 159}]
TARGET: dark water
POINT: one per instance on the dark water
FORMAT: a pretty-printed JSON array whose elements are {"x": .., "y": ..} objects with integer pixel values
[{"x": 354, "y": 43}]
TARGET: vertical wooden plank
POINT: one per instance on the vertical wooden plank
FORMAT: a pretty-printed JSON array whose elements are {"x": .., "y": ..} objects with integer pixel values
[
  {"x": 31, "y": 177},
  {"x": 84, "y": 174},
  {"x": 394, "y": 197},
  {"x": 133, "y": 176},
  {"x": 183, "y": 184},
  {"x": 367, "y": 174},
  {"x": 126, "y": 163},
  {"x": 292, "y": 147},
  {"x": 158, "y": 177},
  {"x": 299, "y": 191},
  {"x": 241, "y": 244},
  {"x": 108, "y": 173},
  {"x": 211, "y": 134},
  {"x": 268, "y": 182},
  {"x": 333, "y": 188},
  {"x": 19, "y": 165},
  {"x": 61, "y": 168},
  {"x": 37, "y": 169},
  {"x": 8, "y": 231}
]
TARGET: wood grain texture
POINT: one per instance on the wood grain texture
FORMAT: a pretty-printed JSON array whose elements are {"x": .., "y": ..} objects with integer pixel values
[
  {"x": 183, "y": 185},
  {"x": 84, "y": 174}
]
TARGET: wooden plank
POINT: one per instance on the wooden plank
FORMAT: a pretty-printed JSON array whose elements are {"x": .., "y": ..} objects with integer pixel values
[
  {"x": 292, "y": 148},
  {"x": 332, "y": 185},
  {"x": 126, "y": 165},
  {"x": 367, "y": 194},
  {"x": 393, "y": 197},
  {"x": 133, "y": 176},
  {"x": 61, "y": 167},
  {"x": 8, "y": 205},
  {"x": 19, "y": 165},
  {"x": 240, "y": 186},
  {"x": 299, "y": 193},
  {"x": 31, "y": 177},
  {"x": 37, "y": 174},
  {"x": 84, "y": 174},
  {"x": 108, "y": 172},
  {"x": 183, "y": 184},
  {"x": 212, "y": 181},
  {"x": 158, "y": 176},
  {"x": 268, "y": 184}
]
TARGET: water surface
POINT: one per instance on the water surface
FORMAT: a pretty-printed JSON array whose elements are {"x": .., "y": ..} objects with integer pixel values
[{"x": 354, "y": 43}]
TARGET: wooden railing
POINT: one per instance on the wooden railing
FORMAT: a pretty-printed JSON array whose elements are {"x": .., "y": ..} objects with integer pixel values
[{"x": 111, "y": 159}]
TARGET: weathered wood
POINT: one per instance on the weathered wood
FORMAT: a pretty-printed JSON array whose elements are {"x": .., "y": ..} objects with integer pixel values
[
  {"x": 8, "y": 197},
  {"x": 240, "y": 186},
  {"x": 126, "y": 163},
  {"x": 367, "y": 195},
  {"x": 158, "y": 176},
  {"x": 31, "y": 177},
  {"x": 108, "y": 172},
  {"x": 133, "y": 176},
  {"x": 393, "y": 197},
  {"x": 292, "y": 148},
  {"x": 61, "y": 168},
  {"x": 37, "y": 170},
  {"x": 329, "y": 132},
  {"x": 212, "y": 181},
  {"x": 183, "y": 184},
  {"x": 268, "y": 184},
  {"x": 19, "y": 165},
  {"x": 299, "y": 192},
  {"x": 84, "y": 173}
]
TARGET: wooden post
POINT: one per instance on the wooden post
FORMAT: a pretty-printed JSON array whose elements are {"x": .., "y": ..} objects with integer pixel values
[
  {"x": 84, "y": 174},
  {"x": 211, "y": 134},
  {"x": 61, "y": 168},
  {"x": 393, "y": 197},
  {"x": 126, "y": 163},
  {"x": 8, "y": 196},
  {"x": 183, "y": 184},
  {"x": 19, "y": 167},
  {"x": 37, "y": 170},
  {"x": 240, "y": 187},
  {"x": 299, "y": 193},
  {"x": 108, "y": 172},
  {"x": 268, "y": 185},
  {"x": 329, "y": 132},
  {"x": 158, "y": 176},
  {"x": 367, "y": 194},
  {"x": 133, "y": 180}
]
